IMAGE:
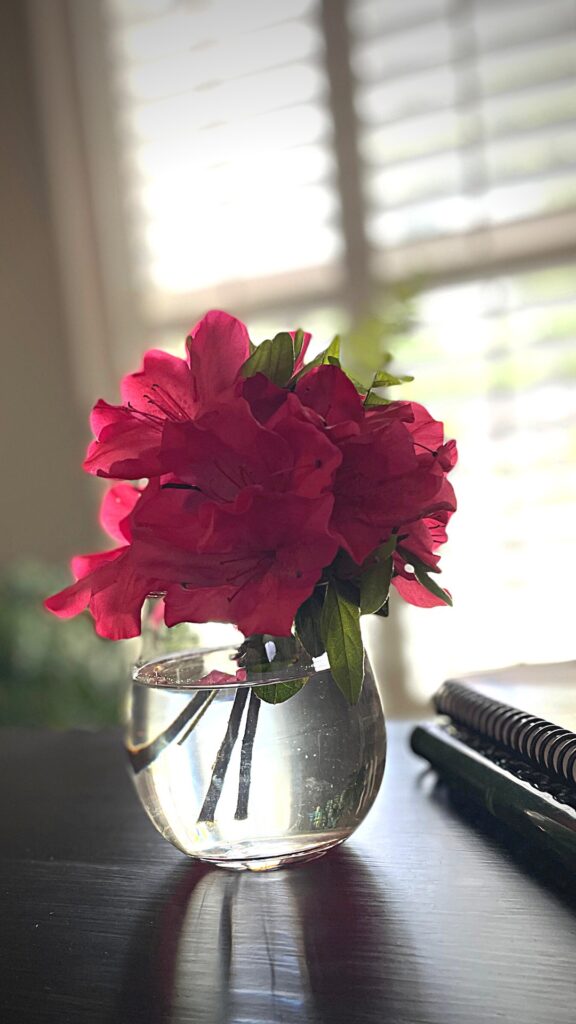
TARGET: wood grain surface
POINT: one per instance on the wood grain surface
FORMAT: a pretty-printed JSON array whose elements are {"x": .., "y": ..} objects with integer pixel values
[{"x": 431, "y": 912}]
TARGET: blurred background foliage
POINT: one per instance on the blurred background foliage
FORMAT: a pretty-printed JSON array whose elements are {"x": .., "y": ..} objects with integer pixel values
[{"x": 54, "y": 673}]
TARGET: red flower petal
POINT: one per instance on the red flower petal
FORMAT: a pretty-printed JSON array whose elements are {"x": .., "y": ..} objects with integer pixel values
[
  {"x": 263, "y": 397},
  {"x": 126, "y": 446},
  {"x": 252, "y": 562},
  {"x": 413, "y": 592},
  {"x": 74, "y": 599},
  {"x": 117, "y": 505},
  {"x": 217, "y": 347},
  {"x": 223, "y": 451},
  {"x": 162, "y": 388},
  {"x": 331, "y": 394},
  {"x": 299, "y": 361},
  {"x": 70, "y": 601}
]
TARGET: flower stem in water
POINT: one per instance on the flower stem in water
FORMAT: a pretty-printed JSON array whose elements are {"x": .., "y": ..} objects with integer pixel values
[
  {"x": 246, "y": 758},
  {"x": 223, "y": 757},
  {"x": 144, "y": 756}
]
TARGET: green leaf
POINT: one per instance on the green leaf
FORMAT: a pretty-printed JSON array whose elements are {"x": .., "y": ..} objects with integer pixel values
[
  {"x": 415, "y": 561},
  {"x": 421, "y": 571},
  {"x": 383, "y": 379},
  {"x": 375, "y": 586},
  {"x": 386, "y": 549},
  {"x": 341, "y": 631},
  {"x": 309, "y": 625},
  {"x": 431, "y": 585},
  {"x": 274, "y": 358},
  {"x": 277, "y": 693},
  {"x": 329, "y": 355},
  {"x": 372, "y": 399},
  {"x": 298, "y": 342}
]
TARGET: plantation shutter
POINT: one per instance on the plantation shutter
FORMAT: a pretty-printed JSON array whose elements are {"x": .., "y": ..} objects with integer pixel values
[
  {"x": 225, "y": 111},
  {"x": 466, "y": 111}
]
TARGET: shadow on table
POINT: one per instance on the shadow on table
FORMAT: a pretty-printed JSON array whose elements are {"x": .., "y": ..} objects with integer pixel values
[
  {"x": 535, "y": 860},
  {"x": 314, "y": 943}
]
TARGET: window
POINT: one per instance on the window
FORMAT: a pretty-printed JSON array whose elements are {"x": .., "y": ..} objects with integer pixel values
[
  {"x": 289, "y": 160},
  {"x": 229, "y": 166}
]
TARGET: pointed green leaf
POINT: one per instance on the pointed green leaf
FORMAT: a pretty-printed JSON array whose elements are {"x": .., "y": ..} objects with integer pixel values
[
  {"x": 329, "y": 355},
  {"x": 277, "y": 693},
  {"x": 431, "y": 585},
  {"x": 384, "y": 611},
  {"x": 341, "y": 631},
  {"x": 309, "y": 625},
  {"x": 375, "y": 586},
  {"x": 373, "y": 399},
  {"x": 415, "y": 561},
  {"x": 274, "y": 358},
  {"x": 388, "y": 548},
  {"x": 421, "y": 571},
  {"x": 298, "y": 342},
  {"x": 383, "y": 379}
]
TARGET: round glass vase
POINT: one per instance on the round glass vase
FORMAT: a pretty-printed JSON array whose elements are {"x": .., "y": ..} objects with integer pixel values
[{"x": 229, "y": 776}]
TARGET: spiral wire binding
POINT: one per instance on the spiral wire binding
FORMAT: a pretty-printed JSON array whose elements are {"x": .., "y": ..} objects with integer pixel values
[{"x": 538, "y": 742}]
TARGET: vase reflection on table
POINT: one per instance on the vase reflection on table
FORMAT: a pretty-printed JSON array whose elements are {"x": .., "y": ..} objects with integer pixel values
[{"x": 233, "y": 779}]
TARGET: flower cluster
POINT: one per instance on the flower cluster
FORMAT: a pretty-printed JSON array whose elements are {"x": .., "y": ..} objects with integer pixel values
[{"x": 264, "y": 491}]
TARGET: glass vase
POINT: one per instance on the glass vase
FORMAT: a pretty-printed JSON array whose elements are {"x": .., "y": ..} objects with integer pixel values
[{"x": 232, "y": 778}]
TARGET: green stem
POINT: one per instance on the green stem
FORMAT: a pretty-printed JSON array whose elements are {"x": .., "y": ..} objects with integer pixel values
[
  {"x": 246, "y": 757},
  {"x": 223, "y": 756}
]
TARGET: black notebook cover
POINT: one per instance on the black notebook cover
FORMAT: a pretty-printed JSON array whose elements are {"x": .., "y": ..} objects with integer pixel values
[{"x": 508, "y": 740}]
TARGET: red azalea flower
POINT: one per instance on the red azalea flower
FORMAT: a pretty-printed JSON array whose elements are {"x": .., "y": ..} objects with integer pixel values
[
  {"x": 381, "y": 485},
  {"x": 253, "y": 489},
  {"x": 226, "y": 449},
  {"x": 109, "y": 583},
  {"x": 393, "y": 465},
  {"x": 329, "y": 392},
  {"x": 166, "y": 390},
  {"x": 251, "y": 562}
]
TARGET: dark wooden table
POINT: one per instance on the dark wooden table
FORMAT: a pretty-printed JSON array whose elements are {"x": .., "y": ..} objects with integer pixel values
[{"x": 431, "y": 913}]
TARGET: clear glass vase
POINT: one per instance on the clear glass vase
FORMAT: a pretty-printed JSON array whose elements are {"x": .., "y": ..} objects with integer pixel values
[{"x": 230, "y": 778}]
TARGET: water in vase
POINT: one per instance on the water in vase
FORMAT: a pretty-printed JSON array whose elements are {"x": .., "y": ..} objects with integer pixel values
[{"x": 243, "y": 783}]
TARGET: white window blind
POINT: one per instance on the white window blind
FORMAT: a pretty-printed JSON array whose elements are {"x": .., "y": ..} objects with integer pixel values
[
  {"x": 467, "y": 111},
  {"x": 496, "y": 358},
  {"x": 230, "y": 172}
]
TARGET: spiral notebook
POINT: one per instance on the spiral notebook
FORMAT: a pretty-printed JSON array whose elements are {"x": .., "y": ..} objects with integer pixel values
[{"x": 508, "y": 738}]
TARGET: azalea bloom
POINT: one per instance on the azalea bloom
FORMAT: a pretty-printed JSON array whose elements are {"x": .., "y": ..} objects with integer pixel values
[
  {"x": 252, "y": 561},
  {"x": 393, "y": 461},
  {"x": 166, "y": 389},
  {"x": 265, "y": 479},
  {"x": 128, "y": 437},
  {"x": 108, "y": 582},
  {"x": 227, "y": 449}
]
